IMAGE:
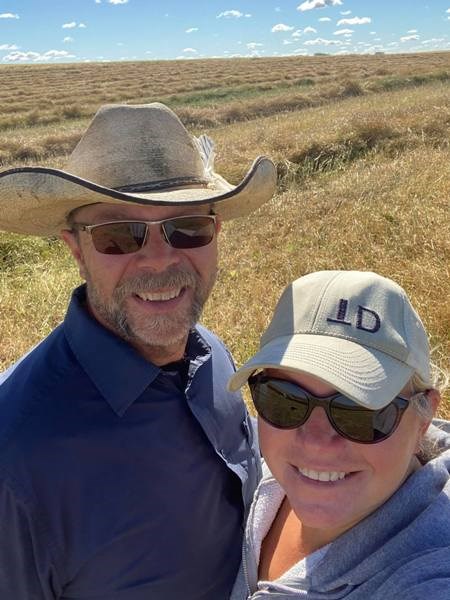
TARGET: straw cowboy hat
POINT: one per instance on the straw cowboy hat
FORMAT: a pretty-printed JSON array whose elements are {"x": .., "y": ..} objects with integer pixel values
[{"x": 129, "y": 154}]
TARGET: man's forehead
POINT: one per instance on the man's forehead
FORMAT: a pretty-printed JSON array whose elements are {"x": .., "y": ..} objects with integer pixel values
[{"x": 114, "y": 212}]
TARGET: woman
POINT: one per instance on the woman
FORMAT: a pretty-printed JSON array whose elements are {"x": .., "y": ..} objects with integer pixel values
[{"x": 351, "y": 505}]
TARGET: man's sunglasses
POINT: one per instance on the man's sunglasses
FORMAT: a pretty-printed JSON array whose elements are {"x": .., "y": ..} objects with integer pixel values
[
  {"x": 286, "y": 405},
  {"x": 125, "y": 237}
]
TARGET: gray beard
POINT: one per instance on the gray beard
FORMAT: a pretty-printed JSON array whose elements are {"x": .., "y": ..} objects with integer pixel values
[{"x": 159, "y": 332}]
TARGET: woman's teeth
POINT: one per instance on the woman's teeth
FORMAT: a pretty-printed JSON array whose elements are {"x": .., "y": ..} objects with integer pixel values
[{"x": 322, "y": 475}]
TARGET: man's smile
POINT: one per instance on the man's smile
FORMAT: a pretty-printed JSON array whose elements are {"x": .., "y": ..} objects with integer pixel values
[{"x": 159, "y": 296}]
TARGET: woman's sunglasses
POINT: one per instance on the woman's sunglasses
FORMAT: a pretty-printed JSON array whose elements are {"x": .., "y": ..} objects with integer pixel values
[
  {"x": 126, "y": 237},
  {"x": 286, "y": 405}
]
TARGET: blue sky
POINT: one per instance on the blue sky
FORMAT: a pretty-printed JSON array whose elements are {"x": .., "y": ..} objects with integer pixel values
[{"x": 113, "y": 30}]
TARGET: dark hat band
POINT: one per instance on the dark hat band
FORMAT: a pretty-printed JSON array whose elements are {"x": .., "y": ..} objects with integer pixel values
[{"x": 149, "y": 186}]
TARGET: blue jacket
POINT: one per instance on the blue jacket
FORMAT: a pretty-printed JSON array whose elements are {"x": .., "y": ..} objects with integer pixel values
[
  {"x": 119, "y": 480},
  {"x": 399, "y": 552}
]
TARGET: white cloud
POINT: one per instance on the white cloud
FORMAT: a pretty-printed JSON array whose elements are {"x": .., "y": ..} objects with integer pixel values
[
  {"x": 230, "y": 14},
  {"x": 297, "y": 33},
  {"x": 277, "y": 9},
  {"x": 448, "y": 10},
  {"x": 35, "y": 56},
  {"x": 9, "y": 16},
  {"x": 73, "y": 24},
  {"x": 118, "y": 1},
  {"x": 412, "y": 31},
  {"x": 322, "y": 42},
  {"x": 409, "y": 38},
  {"x": 98, "y": 1},
  {"x": 190, "y": 50},
  {"x": 253, "y": 45},
  {"x": 311, "y": 4},
  {"x": 191, "y": 29},
  {"x": 433, "y": 41},
  {"x": 68, "y": 39},
  {"x": 287, "y": 42},
  {"x": 309, "y": 30},
  {"x": 324, "y": 19},
  {"x": 55, "y": 54},
  {"x": 20, "y": 56},
  {"x": 354, "y": 21},
  {"x": 346, "y": 12},
  {"x": 281, "y": 27},
  {"x": 343, "y": 32},
  {"x": 8, "y": 47}
]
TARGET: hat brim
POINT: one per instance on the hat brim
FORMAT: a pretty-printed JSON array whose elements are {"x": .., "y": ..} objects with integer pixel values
[
  {"x": 37, "y": 200},
  {"x": 369, "y": 377}
]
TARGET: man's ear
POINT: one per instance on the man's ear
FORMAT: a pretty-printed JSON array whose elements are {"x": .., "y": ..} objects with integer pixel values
[
  {"x": 72, "y": 240},
  {"x": 218, "y": 224}
]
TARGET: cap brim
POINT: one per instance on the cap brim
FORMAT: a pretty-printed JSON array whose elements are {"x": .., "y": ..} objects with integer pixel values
[
  {"x": 369, "y": 377},
  {"x": 37, "y": 200}
]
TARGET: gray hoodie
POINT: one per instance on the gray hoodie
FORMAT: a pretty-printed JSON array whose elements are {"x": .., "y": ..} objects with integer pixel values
[{"x": 399, "y": 552}]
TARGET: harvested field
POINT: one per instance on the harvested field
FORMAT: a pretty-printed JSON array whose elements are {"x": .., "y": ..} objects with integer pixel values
[{"x": 362, "y": 150}]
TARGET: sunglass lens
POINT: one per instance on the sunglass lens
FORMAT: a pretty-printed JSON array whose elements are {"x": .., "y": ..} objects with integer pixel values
[
  {"x": 277, "y": 407},
  {"x": 385, "y": 421},
  {"x": 361, "y": 424},
  {"x": 119, "y": 238},
  {"x": 189, "y": 232}
]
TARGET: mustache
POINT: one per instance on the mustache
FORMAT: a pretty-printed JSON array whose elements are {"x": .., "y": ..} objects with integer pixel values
[{"x": 149, "y": 282}]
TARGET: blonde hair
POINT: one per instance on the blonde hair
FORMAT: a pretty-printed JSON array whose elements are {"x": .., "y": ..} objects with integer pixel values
[
  {"x": 421, "y": 403},
  {"x": 439, "y": 380}
]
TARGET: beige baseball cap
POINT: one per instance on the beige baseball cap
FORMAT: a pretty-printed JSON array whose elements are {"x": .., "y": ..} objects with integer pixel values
[{"x": 355, "y": 330}]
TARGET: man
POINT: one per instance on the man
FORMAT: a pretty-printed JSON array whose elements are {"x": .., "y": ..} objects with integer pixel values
[{"x": 125, "y": 467}]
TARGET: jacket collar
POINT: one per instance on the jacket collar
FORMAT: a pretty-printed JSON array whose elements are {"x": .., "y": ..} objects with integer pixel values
[{"x": 116, "y": 369}]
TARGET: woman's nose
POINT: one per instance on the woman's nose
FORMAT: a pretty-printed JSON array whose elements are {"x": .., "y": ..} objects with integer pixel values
[{"x": 318, "y": 430}]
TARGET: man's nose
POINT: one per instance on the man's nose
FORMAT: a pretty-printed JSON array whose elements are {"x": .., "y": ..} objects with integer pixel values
[{"x": 157, "y": 253}]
